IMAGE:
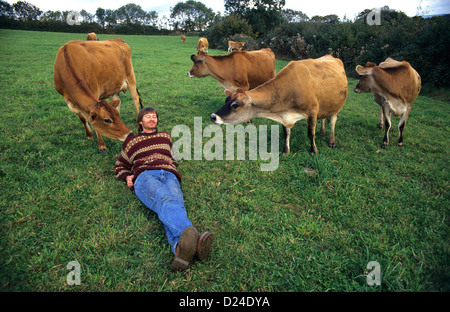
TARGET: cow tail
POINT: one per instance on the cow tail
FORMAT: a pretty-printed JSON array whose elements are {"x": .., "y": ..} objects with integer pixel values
[{"x": 140, "y": 98}]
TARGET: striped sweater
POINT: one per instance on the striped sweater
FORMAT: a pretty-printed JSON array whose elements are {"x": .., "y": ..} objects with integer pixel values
[{"x": 145, "y": 151}]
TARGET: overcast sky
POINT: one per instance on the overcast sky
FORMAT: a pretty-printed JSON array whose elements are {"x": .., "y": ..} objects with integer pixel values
[{"x": 310, "y": 7}]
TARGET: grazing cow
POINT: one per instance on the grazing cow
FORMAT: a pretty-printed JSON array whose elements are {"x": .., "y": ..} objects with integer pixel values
[
  {"x": 233, "y": 45},
  {"x": 395, "y": 85},
  {"x": 92, "y": 36},
  {"x": 202, "y": 46},
  {"x": 238, "y": 69},
  {"x": 308, "y": 89},
  {"x": 88, "y": 72},
  {"x": 183, "y": 38}
]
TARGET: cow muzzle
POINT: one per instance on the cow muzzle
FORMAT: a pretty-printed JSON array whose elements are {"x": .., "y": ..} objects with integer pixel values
[{"x": 216, "y": 119}]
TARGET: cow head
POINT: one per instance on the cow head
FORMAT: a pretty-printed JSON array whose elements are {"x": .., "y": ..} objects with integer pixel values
[
  {"x": 237, "y": 108},
  {"x": 104, "y": 118},
  {"x": 199, "y": 70},
  {"x": 366, "y": 82}
]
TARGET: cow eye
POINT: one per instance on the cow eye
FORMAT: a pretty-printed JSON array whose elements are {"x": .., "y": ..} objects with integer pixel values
[
  {"x": 234, "y": 106},
  {"x": 107, "y": 120}
]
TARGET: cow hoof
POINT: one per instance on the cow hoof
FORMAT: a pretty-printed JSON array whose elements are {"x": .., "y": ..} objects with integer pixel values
[
  {"x": 332, "y": 145},
  {"x": 101, "y": 151},
  {"x": 400, "y": 144},
  {"x": 384, "y": 145}
]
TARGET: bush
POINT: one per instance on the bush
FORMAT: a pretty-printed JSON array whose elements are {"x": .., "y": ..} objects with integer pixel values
[
  {"x": 219, "y": 32},
  {"x": 250, "y": 42}
]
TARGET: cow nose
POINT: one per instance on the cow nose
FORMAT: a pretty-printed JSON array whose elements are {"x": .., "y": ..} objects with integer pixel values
[{"x": 213, "y": 117}]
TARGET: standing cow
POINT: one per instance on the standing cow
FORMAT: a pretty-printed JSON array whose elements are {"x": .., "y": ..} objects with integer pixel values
[
  {"x": 238, "y": 69},
  {"x": 308, "y": 89},
  {"x": 395, "y": 85},
  {"x": 88, "y": 72},
  {"x": 234, "y": 45},
  {"x": 202, "y": 46}
]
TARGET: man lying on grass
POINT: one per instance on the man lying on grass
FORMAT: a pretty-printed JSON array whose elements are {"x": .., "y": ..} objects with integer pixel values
[{"x": 147, "y": 166}]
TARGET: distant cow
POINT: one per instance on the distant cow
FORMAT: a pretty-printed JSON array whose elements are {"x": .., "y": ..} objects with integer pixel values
[
  {"x": 233, "y": 45},
  {"x": 395, "y": 85},
  {"x": 238, "y": 69},
  {"x": 183, "y": 38},
  {"x": 92, "y": 36},
  {"x": 308, "y": 89},
  {"x": 202, "y": 46},
  {"x": 88, "y": 72}
]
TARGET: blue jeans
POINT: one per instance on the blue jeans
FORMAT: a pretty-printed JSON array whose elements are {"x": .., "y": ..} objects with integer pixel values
[{"x": 160, "y": 191}]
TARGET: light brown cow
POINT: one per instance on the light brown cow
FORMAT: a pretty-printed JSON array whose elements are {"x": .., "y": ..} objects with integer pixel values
[
  {"x": 395, "y": 85},
  {"x": 183, "y": 38},
  {"x": 88, "y": 72},
  {"x": 238, "y": 69},
  {"x": 202, "y": 46},
  {"x": 234, "y": 45},
  {"x": 308, "y": 89},
  {"x": 92, "y": 36}
]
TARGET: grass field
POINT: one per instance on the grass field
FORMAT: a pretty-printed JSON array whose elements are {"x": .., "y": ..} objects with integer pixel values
[{"x": 311, "y": 225}]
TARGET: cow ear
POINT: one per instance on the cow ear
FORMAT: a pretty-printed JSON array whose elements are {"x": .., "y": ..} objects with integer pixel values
[
  {"x": 115, "y": 103},
  {"x": 363, "y": 71},
  {"x": 228, "y": 92},
  {"x": 93, "y": 116}
]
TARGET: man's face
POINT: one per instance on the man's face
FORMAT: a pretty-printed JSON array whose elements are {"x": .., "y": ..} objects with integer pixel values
[{"x": 149, "y": 122}]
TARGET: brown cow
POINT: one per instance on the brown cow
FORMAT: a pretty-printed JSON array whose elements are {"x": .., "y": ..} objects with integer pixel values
[
  {"x": 308, "y": 89},
  {"x": 88, "y": 72},
  {"x": 234, "y": 45},
  {"x": 202, "y": 46},
  {"x": 395, "y": 85},
  {"x": 183, "y": 38},
  {"x": 238, "y": 69},
  {"x": 92, "y": 36}
]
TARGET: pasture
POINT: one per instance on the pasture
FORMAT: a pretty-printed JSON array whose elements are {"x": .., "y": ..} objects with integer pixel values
[{"x": 311, "y": 225}]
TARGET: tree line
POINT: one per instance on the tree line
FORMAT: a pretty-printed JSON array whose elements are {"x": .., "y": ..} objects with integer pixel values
[{"x": 424, "y": 42}]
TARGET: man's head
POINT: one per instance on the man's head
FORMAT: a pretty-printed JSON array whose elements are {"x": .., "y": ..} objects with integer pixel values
[{"x": 147, "y": 120}]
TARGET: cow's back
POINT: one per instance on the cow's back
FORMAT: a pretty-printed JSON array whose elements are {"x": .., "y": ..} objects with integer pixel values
[
  {"x": 322, "y": 81},
  {"x": 401, "y": 81},
  {"x": 101, "y": 65},
  {"x": 259, "y": 65}
]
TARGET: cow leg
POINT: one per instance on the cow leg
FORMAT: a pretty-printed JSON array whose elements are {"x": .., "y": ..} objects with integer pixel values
[
  {"x": 381, "y": 101},
  {"x": 135, "y": 96},
  {"x": 88, "y": 130},
  {"x": 311, "y": 123},
  {"x": 401, "y": 126},
  {"x": 387, "y": 125},
  {"x": 332, "y": 142},
  {"x": 381, "y": 123},
  {"x": 101, "y": 143},
  {"x": 322, "y": 128},
  {"x": 287, "y": 139}
]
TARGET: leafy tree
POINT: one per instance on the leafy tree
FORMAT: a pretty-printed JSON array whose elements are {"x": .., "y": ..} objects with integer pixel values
[
  {"x": 101, "y": 16},
  {"x": 262, "y": 15},
  {"x": 134, "y": 14},
  {"x": 292, "y": 16},
  {"x": 25, "y": 11},
  {"x": 191, "y": 15}
]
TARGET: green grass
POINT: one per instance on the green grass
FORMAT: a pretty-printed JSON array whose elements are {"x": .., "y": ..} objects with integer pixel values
[{"x": 311, "y": 225}]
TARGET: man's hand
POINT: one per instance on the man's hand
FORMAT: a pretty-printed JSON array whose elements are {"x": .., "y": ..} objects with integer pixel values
[{"x": 130, "y": 180}]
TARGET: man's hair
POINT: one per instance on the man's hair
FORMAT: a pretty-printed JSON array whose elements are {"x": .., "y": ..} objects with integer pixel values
[{"x": 145, "y": 111}]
